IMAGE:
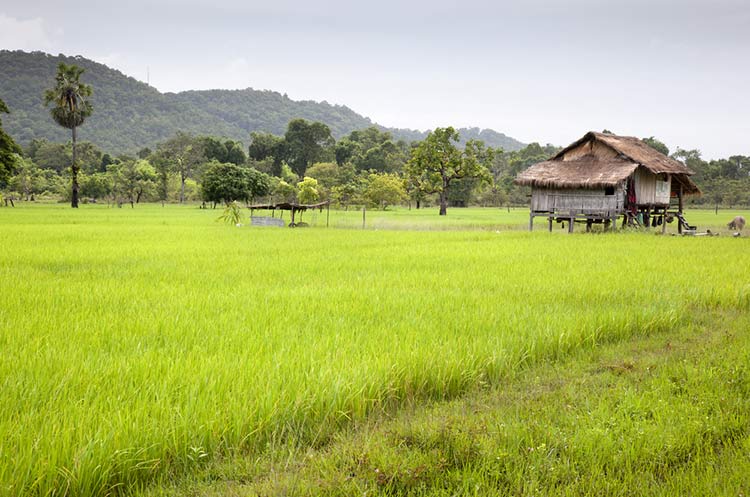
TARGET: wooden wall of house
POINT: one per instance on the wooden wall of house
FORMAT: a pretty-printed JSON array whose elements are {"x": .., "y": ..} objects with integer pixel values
[
  {"x": 650, "y": 188},
  {"x": 578, "y": 201}
]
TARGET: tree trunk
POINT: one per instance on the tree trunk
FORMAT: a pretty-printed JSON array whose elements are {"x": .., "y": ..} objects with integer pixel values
[
  {"x": 443, "y": 203},
  {"x": 182, "y": 188},
  {"x": 74, "y": 173}
]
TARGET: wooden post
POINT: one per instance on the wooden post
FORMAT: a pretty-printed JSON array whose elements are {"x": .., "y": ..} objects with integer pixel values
[
  {"x": 664, "y": 222},
  {"x": 570, "y": 225},
  {"x": 549, "y": 220},
  {"x": 364, "y": 215},
  {"x": 531, "y": 221},
  {"x": 679, "y": 209},
  {"x": 589, "y": 223},
  {"x": 328, "y": 213}
]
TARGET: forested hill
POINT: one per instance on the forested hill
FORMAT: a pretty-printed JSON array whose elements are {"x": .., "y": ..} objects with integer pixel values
[{"x": 129, "y": 114}]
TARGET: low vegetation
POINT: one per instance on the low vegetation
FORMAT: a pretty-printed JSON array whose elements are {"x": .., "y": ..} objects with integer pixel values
[
  {"x": 661, "y": 414},
  {"x": 142, "y": 345}
]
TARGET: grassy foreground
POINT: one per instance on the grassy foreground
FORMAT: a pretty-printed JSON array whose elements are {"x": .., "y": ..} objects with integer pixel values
[
  {"x": 141, "y": 344},
  {"x": 667, "y": 414}
]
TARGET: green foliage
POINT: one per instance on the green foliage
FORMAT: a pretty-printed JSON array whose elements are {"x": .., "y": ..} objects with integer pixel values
[
  {"x": 8, "y": 150},
  {"x": 181, "y": 154},
  {"x": 69, "y": 97},
  {"x": 306, "y": 143},
  {"x": 656, "y": 145},
  {"x": 347, "y": 193},
  {"x": 372, "y": 150},
  {"x": 29, "y": 180},
  {"x": 227, "y": 182},
  {"x": 723, "y": 182},
  {"x": 70, "y": 108},
  {"x": 288, "y": 175},
  {"x": 283, "y": 191},
  {"x": 232, "y": 214},
  {"x": 437, "y": 161},
  {"x": 96, "y": 185},
  {"x": 385, "y": 189},
  {"x": 328, "y": 174},
  {"x": 264, "y": 145},
  {"x": 307, "y": 191},
  {"x": 505, "y": 167},
  {"x": 222, "y": 151}
]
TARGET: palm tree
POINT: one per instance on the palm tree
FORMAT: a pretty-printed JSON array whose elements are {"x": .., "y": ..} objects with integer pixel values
[{"x": 71, "y": 108}]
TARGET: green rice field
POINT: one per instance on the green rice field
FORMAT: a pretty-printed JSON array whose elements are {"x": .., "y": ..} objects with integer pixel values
[{"x": 139, "y": 345}]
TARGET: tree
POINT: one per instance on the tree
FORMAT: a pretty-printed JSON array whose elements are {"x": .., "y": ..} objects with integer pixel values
[
  {"x": 70, "y": 110},
  {"x": 235, "y": 154},
  {"x": 436, "y": 162},
  {"x": 227, "y": 182},
  {"x": 384, "y": 190},
  {"x": 131, "y": 179},
  {"x": 181, "y": 154},
  {"x": 265, "y": 146},
  {"x": 307, "y": 190},
  {"x": 656, "y": 145},
  {"x": 50, "y": 155},
  {"x": 306, "y": 143},
  {"x": 328, "y": 174},
  {"x": 9, "y": 151},
  {"x": 96, "y": 185},
  {"x": 282, "y": 190},
  {"x": 372, "y": 149},
  {"x": 29, "y": 179}
]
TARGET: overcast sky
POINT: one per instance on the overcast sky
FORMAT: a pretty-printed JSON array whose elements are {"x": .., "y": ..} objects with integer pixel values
[{"x": 537, "y": 70}]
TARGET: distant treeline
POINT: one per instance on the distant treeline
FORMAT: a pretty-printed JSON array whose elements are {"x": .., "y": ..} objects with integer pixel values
[
  {"x": 723, "y": 182},
  {"x": 306, "y": 163}
]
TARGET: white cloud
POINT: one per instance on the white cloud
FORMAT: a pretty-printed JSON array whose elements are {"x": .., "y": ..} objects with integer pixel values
[{"x": 17, "y": 34}]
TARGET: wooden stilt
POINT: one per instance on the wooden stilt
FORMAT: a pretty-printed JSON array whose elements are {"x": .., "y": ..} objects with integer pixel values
[{"x": 679, "y": 209}]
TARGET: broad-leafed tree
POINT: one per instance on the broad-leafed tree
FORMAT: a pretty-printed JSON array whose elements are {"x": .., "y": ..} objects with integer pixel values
[{"x": 436, "y": 162}]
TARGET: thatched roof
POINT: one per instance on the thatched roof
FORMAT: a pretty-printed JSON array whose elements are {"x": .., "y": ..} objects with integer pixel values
[
  {"x": 594, "y": 171},
  {"x": 585, "y": 172}
]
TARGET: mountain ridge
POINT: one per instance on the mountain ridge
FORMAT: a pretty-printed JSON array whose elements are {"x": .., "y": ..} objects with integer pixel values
[{"x": 130, "y": 114}]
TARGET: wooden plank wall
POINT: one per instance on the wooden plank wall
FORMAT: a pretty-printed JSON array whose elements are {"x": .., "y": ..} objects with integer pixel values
[
  {"x": 651, "y": 188},
  {"x": 578, "y": 201}
]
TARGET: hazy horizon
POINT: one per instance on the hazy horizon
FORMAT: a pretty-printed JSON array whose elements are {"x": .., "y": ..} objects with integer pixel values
[{"x": 544, "y": 70}]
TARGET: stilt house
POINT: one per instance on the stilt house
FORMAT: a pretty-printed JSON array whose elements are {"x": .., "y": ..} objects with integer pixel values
[{"x": 601, "y": 177}]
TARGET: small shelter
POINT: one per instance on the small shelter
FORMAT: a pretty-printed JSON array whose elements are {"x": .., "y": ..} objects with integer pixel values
[
  {"x": 601, "y": 177},
  {"x": 293, "y": 207}
]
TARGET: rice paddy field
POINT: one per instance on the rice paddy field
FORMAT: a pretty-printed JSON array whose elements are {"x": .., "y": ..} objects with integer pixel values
[{"x": 142, "y": 345}]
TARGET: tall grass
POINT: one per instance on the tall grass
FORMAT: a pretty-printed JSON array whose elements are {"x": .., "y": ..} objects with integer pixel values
[{"x": 143, "y": 342}]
